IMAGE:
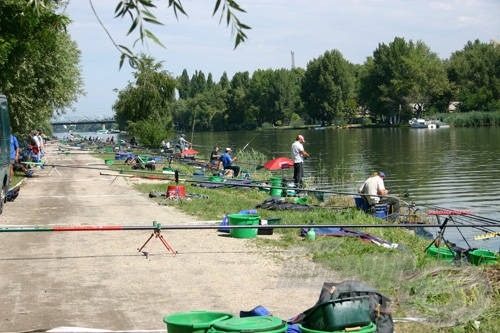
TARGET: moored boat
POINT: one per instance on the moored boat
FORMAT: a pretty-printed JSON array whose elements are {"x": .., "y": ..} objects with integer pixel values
[{"x": 429, "y": 124}]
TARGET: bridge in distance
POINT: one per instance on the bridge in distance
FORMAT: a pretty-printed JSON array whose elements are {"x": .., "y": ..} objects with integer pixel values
[
  {"x": 83, "y": 122},
  {"x": 56, "y": 125}
]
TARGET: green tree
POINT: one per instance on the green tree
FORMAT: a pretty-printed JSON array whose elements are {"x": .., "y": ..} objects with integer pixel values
[
  {"x": 274, "y": 95},
  {"x": 38, "y": 64},
  {"x": 183, "y": 83},
  {"x": 146, "y": 101},
  {"x": 236, "y": 116},
  {"x": 224, "y": 82},
  {"x": 198, "y": 84},
  {"x": 327, "y": 87},
  {"x": 402, "y": 79},
  {"x": 475, "y": 75}
]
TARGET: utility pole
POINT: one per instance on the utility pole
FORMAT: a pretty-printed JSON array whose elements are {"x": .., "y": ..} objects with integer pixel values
[{"x": 293, "y": 59}]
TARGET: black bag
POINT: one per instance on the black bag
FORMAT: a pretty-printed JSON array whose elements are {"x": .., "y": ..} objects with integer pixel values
[{"x": 351, "y": 295}]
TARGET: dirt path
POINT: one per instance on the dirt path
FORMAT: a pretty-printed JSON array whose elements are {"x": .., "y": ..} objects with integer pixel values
[{"x": 99, "y": 280}]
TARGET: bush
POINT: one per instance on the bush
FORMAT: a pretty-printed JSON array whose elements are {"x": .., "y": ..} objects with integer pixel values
[
  {"x": 149, "y": 132},
  {"x": 297, "y": 123}
]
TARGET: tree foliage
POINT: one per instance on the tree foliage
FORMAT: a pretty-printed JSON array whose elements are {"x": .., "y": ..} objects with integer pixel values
[
  {"x": 401, "y": 75},
  {"x": 38, "y": 64},
  {"x": 147, "y": 101},
  {"x": 475, "y": 75},
  {"x": 327, "y": 87}
]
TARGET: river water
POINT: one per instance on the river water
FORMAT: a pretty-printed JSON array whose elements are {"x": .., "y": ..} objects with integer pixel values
[{"x": 450, "y": 168}]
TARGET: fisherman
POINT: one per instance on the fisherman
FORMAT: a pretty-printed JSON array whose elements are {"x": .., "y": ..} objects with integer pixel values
[
  {"x": 227, "y": 161},
  {"x": 214, "y": 157},
  {"x": 374, "y": 191},
  {"x": 298, "y": 155},
  {"x": 183, "y": 143}
]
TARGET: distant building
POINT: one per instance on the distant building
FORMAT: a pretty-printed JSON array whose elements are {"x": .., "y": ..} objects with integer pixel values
[{"x": 453, "y": 106}]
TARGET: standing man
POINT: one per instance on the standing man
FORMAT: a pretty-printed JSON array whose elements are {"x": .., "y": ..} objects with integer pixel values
[
  {"x": 375, "y": 192},
  {"x": 183, "y": 143},
  {"x": 14, "y": 153},
  {"x": 298, "y": 154}
]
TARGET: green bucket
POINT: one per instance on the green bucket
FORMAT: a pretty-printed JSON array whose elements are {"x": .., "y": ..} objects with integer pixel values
[
  {"x": 243, "y": 219},
  {"x": 193, "y": 321},
  {"x": 276, "y": 182},
  {"x": 217, "y": 179},
  {"x": 109, "y": 162},
  {"x": 301, "y": 201},
  {"x": 365, "y": 329},
  {"x": 441, "y": 252},
  {"x": 261, "y": 324},
  {"x": 482, "y": 257}
]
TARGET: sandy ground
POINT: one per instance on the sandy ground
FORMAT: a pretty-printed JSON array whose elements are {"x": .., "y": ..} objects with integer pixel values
[{"x": 98, "y": 279}]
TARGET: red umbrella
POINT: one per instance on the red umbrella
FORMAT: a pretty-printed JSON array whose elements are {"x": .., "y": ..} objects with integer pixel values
[
  {"x": 279, "y": 163},
  {"x": 189, "y": 152}
]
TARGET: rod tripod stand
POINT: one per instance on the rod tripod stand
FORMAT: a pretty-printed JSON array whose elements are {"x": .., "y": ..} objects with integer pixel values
[
  {"x": 440, "y": 236},
  {"x": 157, "y": 234}
]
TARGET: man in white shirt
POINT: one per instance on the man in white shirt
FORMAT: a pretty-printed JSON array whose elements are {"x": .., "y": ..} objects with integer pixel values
[
  {"x": 375, "y": 192},
  {"x": 298, "y": 155}
]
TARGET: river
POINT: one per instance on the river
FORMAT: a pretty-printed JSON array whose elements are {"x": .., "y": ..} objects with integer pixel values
[{"x": 452, "y": 168}]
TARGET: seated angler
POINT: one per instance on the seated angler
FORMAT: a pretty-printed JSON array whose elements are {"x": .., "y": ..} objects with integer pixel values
[
  {"x": 227, "y": 161},
  {"x": 374, "y": 191}
]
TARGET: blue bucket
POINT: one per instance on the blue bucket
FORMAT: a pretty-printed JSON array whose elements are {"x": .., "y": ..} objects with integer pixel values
[{"x": 381, "y": 211}]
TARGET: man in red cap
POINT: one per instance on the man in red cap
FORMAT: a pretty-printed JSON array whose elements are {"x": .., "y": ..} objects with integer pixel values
[{"x": 298, "y": 154}]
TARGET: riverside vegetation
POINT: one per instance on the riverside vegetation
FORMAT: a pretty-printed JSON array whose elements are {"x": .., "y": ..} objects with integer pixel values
[{"x": 448, "y": 297}]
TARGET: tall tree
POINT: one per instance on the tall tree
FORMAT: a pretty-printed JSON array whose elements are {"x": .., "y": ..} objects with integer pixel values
[
  {"x": 146, "y": 101},
  {"x": 183, "y": 83},
  {"x": 224, "y": 81},
  {"x": 238, "y": 103},
  {"x": 402, "y": 79},
  {"x": 327, "y": 86},
  {"x": 38, "y": 64},
  {"x": 274, "y": 95},
  {"x": 198, "y": 83},
  {"x": 475, "y": 75}
]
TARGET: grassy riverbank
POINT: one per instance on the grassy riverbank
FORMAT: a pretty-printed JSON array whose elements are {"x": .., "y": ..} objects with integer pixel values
[{"x": 448, "y": 297}]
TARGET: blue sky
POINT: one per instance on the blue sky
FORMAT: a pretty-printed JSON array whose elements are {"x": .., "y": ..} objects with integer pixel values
[{"x": 308, "y": 28}]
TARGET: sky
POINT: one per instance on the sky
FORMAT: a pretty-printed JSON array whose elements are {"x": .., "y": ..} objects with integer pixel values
[{"x": 279, "y": 28}]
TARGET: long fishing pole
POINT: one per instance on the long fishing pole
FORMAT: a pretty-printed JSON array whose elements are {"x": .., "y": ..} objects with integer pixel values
[
  {"x": 245, "y": 146},
  {"x": 486, "y": 221},
  {"x": 262, "y": 184},
  {"x": 157, "y": 226}
]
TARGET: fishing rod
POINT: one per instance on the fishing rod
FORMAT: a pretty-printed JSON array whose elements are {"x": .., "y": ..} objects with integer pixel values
[
  {"x": 157, "y": 226},
  {"x": 469, "y": 216},
  {"x": 262, "y": 184},
  {"x": 245, "y": 146}
]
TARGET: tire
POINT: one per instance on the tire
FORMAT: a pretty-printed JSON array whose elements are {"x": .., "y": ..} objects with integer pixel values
[{"x": 3, "y": 198}]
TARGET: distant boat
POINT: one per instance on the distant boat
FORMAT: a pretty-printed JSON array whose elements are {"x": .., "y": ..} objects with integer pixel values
[
  {"x": 102, "y": 131},
  {"x": 429, "y": 124}
]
